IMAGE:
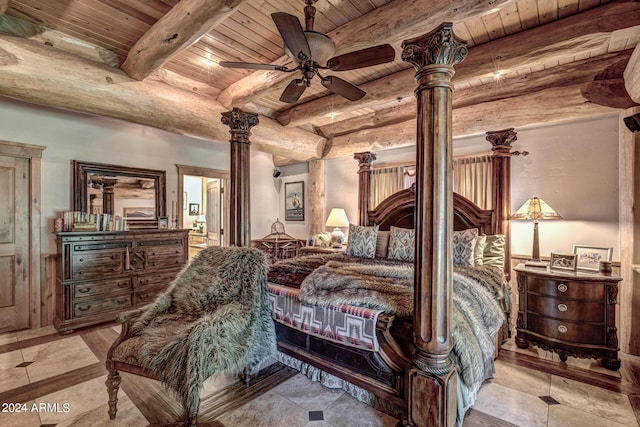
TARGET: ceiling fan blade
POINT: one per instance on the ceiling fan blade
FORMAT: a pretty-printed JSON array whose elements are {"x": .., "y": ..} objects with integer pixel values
[
  {"x": 250, "y": 65},
  {"x": 362, "y": 58},
  {"x": 343, "y": 88},
  {"x": 293, "y": 92},
  {"x": 292, "y": 33}
]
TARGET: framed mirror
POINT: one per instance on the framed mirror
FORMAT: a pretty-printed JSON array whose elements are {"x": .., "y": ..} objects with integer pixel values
[{"x": 138, "y": 195}]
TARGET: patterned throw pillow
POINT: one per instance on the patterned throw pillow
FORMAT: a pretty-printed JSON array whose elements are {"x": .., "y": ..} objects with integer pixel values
[
  {"x": 362, "y": 241},
  {"x": 382, "y": 243},
  {"x": 402, "y": 244},
  {"x": 478, "y": 252},
  {"x": 494, "y": 251},
  {"x": 464, "y": 244}
]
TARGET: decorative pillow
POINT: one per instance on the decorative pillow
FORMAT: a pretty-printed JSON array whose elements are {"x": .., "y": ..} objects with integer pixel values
[
  {"x": 382, "y": 243},
  {"x": 478, "y": 252},
  {"x": 494, "y": 251},
  {"x": 402, "y": 244},
  {"x": 362, "y": 241},
  {"x": 464, "y": 244}
]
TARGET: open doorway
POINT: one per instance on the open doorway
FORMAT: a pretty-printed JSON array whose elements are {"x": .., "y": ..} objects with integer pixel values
[{"x": 203, "y": 203}]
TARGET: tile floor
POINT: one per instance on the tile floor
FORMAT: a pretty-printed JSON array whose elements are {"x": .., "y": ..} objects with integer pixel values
[{"x": 51, "y": 380}]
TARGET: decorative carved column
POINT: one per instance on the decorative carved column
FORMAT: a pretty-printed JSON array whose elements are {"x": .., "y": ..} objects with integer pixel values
[
  {"x": 501, "y": 141},
  {"x": 364, "y": 183},
  {"x": 108, "y": 195},
  {"x": 433, "y": 380},
  {"x": 239, "y": 123},
  {"x": 316, "y": 184}
]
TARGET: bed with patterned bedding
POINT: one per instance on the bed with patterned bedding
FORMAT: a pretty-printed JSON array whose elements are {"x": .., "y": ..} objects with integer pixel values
[{"x": 341, "y": 317}]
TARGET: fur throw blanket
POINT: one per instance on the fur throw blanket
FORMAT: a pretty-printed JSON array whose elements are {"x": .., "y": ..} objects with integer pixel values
[
  {"x": 215, "y": 317},
  {"x": 476, "y": 312}
]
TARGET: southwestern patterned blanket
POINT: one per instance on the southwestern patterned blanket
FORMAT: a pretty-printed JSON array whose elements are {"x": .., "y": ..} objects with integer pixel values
[{"x": 337, "y": 279}]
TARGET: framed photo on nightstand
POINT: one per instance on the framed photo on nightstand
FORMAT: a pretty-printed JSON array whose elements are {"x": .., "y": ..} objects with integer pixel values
[
  {"x": 563, "y": 261},
  {"x": 589, "y": 257}
]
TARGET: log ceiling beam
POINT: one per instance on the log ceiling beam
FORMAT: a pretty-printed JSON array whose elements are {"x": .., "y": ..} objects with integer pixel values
[
  {"x": 39, "y": 74},
  {"x": 575, "y": 72},
  {"x": 391, "y": 23},
  {"x": 523, "y": 108},
  {"x": 584, "y": 33},
  {"x": 4, "y": 5},
  {"x": 180, "y": 28},
  {"x": 632, "y": 75}
]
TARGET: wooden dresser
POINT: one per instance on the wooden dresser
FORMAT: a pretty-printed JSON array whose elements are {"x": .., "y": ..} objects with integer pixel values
[
  {"x": 101, "y": 274},
  {"x": 570, "y": 313}
]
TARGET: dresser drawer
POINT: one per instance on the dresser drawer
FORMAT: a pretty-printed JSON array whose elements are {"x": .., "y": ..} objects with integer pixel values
[
  {"x": 588, "y": 311},
  {"x": 147, "y": 295},
  {"x": 155, "y": 280},
  {"x": 583, "y": 333},
  {"x": 96, "y": 265},
  {"x": 566, "y": 289},
  {"x": 99, "y": 287},
  {"x": 116, "y": 303},
  {"x": 165, "y": 256}
]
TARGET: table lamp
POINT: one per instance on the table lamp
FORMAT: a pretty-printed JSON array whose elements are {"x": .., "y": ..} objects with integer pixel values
[
  {"x": 535, "y": 209},
  {"x": 201, "y": 220},
  {"x": 337, "y": 218}
]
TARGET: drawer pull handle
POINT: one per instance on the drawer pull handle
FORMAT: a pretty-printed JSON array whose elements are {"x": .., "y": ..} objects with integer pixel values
[
  {"x": 562, "y": 287},
  {"x": 81, "y": 259},
  {"x": 84, "y": 290},
  {"x": 562, "y": 307},
  {"x": 113, "y": 257},
  {"x": 153, "y": 253},
  {"x": 123, "y": 285},
  {"x": 562, "y": 329},
  {"x": 84, "y": 308},
  {"x": 122, "y": 300},
  {"x": 114, "y": 269}
]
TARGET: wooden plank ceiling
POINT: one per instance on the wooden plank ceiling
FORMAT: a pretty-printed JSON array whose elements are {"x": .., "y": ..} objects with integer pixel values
[{"x": 518, "y": 50}]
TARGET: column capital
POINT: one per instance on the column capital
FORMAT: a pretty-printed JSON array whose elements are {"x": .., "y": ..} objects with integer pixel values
[
  {"x": 364, "y": 160},
  {"x": 439, "y": 47},
  {"x": 239, "y": 122},
  {"x": 501, "y": 141}
]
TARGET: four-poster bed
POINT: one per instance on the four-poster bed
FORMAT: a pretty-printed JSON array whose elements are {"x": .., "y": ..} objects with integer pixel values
[{"x": 423, "y": 382}]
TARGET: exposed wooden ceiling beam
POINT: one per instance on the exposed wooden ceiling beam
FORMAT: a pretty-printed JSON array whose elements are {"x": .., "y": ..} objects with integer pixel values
[
  {"x": 632, "y": 75},
  {"x": 47, "y": 76},
  {"x": 180, "y": 28},
  {"x": 583, "y": 33},
  {"x": 575, "y": 72},
  {"x": 533, "y": 99},
  {"x": 4, "y": 5},
  {"x": 390, "y": 23}
]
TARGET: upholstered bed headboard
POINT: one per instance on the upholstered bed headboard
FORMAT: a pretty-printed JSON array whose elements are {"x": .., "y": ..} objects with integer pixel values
[{"x": 399, "y": 208}]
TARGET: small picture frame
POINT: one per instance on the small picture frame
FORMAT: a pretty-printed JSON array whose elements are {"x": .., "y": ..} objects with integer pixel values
[
  {"x": 194, "y": 209},
  {"x": 589, "y": 257},
  {"x": 563, "y": 261},
  {"x": 294, "y": 201},
  {"x": 311, "y": 240},
  {"x": 163, "y": 222}
]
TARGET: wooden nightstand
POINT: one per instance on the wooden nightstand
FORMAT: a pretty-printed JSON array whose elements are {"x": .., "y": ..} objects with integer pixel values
[
  {"x": 570, "y": 313},
  {"x": 306, "y": 250}
]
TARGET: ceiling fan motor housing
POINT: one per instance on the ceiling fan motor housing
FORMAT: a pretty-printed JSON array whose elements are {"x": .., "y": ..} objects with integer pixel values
[{"x": 321, "y": 46}]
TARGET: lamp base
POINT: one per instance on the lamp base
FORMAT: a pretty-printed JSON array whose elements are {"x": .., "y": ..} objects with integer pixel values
[
  {"x": 536, "y": 264},
  {"x": 337, "y": 238}
]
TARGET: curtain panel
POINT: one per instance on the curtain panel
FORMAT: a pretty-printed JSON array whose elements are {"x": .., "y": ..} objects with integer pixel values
[{"x": 472, "y": 178}]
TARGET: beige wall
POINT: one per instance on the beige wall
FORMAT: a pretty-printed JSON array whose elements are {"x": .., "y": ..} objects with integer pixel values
[{"x": 73, "y": 136}]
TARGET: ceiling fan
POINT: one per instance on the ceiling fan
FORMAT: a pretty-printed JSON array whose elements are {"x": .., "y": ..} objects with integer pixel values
[{"x": 310, "y": 49}]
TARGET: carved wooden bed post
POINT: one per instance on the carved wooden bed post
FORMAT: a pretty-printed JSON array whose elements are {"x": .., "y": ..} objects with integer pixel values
[
  {"x": 364, "y": 184},
  {"x": 433, "y": 381},
  {"x": 239, "y": 123},
  {"x": 501, "y": 193}
]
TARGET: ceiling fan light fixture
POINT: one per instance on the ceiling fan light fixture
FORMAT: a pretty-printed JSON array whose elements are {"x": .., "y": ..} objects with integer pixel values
[{"x": 321, "y": 46}]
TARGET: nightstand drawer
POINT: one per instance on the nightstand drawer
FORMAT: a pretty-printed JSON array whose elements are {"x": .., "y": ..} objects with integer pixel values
[
  {"x": 567, "y": 331},
  {"x": 587, "y": 311},
  {"x": 566, "y": 289}
]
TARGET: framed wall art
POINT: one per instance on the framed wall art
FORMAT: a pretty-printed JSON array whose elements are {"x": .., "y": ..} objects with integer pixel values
[
  {"x": 563, "y": 261},
  {"x": 589, "y": 257},
  {"x": 294, "y": 201},
  {"x": 163, "y": 222},
  {"x": 140, "y": 212},
  {"x": 194, "y": 209}
]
